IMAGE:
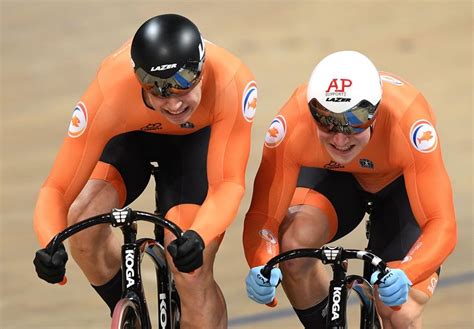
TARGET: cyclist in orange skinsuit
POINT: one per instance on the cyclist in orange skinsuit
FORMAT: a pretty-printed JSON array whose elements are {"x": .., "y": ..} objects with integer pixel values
[
  {"x": 350, "y": 137},
  {"x": 195, "y": 122}
]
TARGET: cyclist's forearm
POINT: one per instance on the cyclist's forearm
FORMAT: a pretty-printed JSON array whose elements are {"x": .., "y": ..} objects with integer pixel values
[
  {"x": 50, "y": 214},
  {"x": 260, "y": 238},
  {"x": 435, "y": 244},
  {"x": 218, "y": 210}
]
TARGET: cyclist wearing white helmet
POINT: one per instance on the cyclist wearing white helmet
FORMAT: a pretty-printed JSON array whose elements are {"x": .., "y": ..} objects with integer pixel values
[{"x": 351, "y": 141}]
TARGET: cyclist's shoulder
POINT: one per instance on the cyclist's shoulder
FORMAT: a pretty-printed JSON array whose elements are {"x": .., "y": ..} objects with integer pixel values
[
  {"x": 224, "y": 67},
  {"x": 293, "y": 127},
  {"x": 295, "y": 110},
  {"x": 402, "y": 104},
  {"x": 399, "y": 95},
  {"x": 116, "y": 70},
  {"x": 221, "y": 59}
]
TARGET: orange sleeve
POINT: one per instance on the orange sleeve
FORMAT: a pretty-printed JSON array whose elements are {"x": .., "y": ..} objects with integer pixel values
[
  {"x": 429, "y": 191},
  {"x": 74, "y": 163},
  {"x": 274, "y": 186},
  {"x": 229, "y": 148}
]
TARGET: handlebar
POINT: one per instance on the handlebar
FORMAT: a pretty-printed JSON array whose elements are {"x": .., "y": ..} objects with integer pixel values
[
  {"x": 118, "y": 218},
  {"x": 328, "y": 255}
]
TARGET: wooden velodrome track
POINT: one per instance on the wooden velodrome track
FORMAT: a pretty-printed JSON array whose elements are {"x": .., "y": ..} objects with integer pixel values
[{"x": 51, "y": 49}]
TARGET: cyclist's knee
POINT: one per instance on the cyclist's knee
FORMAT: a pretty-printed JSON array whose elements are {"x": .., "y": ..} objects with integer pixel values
[
  {"x": 204, "y": 274},
  {"x": 96, "y": 197},
  {"x": 200, "y": 278},
  {"x": 299, "y": 269},
  {"x": 303, "y": 227}
]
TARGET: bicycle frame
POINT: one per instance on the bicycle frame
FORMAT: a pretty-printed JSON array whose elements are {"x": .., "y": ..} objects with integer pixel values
[
  {"x": 132, "y": 287},
  {"x": 338, "y": 288},
  {"x": 132, "y": 255}
]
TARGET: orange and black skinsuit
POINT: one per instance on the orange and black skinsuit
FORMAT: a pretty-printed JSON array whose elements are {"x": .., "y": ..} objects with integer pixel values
[
  {"x": 401, "y": 170},
  {"x": 112, "y": 110}
]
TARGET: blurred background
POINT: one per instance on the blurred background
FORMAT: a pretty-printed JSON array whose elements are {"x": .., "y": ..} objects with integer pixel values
[{"x": 50, "y": 51}]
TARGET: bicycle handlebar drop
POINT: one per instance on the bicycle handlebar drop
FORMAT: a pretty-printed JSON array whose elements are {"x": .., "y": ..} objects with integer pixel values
[
  {"x": 124, "y": 217},
  {"x": 328, "y": 255}
]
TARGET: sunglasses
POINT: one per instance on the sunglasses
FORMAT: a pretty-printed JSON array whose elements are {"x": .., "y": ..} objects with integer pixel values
[
  {"x": 353, "y": 121},
  {"x": 180, "y": 83}
]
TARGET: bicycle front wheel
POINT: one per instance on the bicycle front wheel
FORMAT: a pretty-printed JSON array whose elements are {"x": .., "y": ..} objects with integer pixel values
[{"x": 126, "y": 315}]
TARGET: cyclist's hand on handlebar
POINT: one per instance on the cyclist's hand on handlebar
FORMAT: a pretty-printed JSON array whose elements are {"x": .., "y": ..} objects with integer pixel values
[
  {"x": 393, "y": 287},
  {"x": 187, "y": 251},
  {"x": 261, "y": 289},
  {"x": 51, "y": 268}
]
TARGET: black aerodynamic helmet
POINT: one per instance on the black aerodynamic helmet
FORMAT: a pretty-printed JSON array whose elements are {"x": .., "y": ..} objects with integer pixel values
[{"x": 168, "y": 55}]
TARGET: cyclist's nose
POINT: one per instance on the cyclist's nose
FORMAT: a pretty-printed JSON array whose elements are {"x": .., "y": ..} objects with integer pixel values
[
  {"x": 340, "y": 139},
  {"x": 172, "y": 104}
]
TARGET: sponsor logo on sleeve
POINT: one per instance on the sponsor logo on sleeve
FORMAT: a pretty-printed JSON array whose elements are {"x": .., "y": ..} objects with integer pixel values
[
  {"x": 78, "y": 123},
  {"x": 392, "y": 80},
  {"x": 423, "y": 136},
  {"x": 268, "y": 236},
  {"x": 407, "y": 259},
  {"x": 249, "y": 101},
  {"x": 432, "y": 285},
  {"x": 276, "y": 132}
]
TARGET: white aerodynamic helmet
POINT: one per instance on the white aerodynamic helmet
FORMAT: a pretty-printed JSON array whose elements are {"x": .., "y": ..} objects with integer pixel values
[{"x": 344, "y": 91}]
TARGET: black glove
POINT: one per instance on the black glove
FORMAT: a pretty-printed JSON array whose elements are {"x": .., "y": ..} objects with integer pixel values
[
  {"x": 51, "y": 268},
  {"x": 187, "y": 251}
]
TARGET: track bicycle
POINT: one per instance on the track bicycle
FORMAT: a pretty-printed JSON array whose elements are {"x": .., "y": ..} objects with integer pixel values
[
  {"x": 131, "y": 312},
  {"x": 341, "y": 283}
]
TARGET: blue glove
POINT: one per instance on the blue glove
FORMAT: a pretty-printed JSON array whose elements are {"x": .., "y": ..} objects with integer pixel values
[
  {"x": 259, "y": 288},
  {"x": 393, "y": 287}
]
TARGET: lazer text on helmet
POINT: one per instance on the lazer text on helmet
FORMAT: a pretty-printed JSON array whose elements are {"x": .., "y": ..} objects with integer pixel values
[{"x": 164, "y": 67}]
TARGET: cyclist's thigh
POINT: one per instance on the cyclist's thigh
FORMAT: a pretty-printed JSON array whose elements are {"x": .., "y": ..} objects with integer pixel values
[
  {"x": 336, "y": 194},
  {"x": 182, "y": 172},
  {"x": 125, "y": 163}
]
